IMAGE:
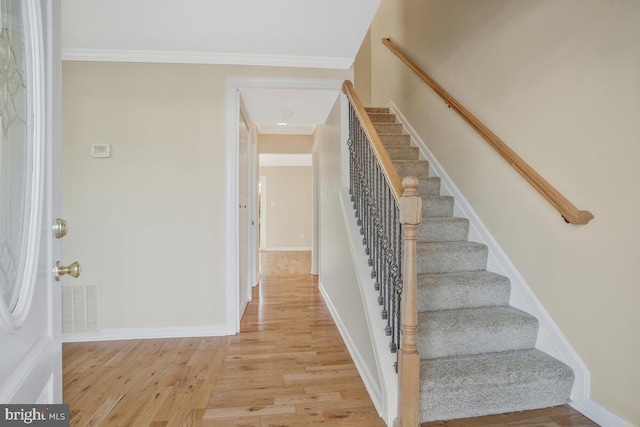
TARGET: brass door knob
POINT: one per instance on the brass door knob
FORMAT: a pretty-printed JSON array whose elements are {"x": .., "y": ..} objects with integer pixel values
[{"x": 72, "y": 270}]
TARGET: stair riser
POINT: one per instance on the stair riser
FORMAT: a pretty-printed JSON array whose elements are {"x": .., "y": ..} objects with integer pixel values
[
  {"x": 388, "y": 127},
  {"x": 446, "y": 259},
  {"x": 403, "y": 153},
  {"x": 449, "y": 230},
  {"x": 435, "y": 206},
  {"x": 467, "y": 290},
  {"x": 474, "y": 331},
  {"x": 429, "y": 186},
  {"x": 395, "y": 140},
  {"x": 417, "y": 168}
]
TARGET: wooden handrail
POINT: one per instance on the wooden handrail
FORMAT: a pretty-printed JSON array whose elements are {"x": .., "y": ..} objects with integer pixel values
[
  {"x": 389, "y": 170},
  {"x": 569, "y": 212}
]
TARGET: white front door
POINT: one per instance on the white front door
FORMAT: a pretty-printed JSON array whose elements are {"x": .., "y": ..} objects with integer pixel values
[{"x": 30, "y": 305}]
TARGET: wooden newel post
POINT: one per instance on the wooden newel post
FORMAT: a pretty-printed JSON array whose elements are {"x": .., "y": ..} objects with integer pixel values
[{"x": 408, "y": 357}]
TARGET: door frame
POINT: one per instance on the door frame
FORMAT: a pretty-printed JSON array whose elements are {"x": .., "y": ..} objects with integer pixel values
[
  {"x": 262, "y": 194},
  {"x": 233, "y": 86}
]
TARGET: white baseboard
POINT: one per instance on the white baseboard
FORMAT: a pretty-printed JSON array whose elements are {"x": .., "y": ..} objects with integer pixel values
[
  {"x": 148, "y": 333},
  {"x": 594, "y": 411},
  {"x": 365, "y": 374},
  {"x": 550, "y": 339},
  {"x": 286, "y": 249}
]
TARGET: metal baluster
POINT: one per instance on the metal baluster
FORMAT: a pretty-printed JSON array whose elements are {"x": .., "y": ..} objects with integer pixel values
[{"x": 378, "y": 217}]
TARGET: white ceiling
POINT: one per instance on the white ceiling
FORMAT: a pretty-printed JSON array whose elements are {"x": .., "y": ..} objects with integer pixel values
[
  {"x": 295, "y": 33},
  {"x": 300, "y": 109},
  {"x": 306, "y": 33}
]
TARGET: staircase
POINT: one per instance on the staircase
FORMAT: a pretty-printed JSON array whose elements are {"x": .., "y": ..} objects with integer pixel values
[{"x": 477, "y": 353}]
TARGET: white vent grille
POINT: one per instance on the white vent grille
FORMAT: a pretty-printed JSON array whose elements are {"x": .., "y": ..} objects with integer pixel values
[{"x": 80, "y": 305}]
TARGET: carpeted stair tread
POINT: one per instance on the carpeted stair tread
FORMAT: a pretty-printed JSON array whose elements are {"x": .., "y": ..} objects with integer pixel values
[
  {"x": 434, "y": 205},
  {"x": 395, "y": 139},
  {"x": 417, "y": 168},
  {"x": 448, "y": 257},
  {"x": 403, "y": 153},
  {"x": 448, "y": 333},
  {"x": 376, "y": 109},
  {"x": 470, "y": 289},
  {"x": 492, "y": 383},
  {"x": 382, "y": 117},
  {"x": 443, "y": 229}
]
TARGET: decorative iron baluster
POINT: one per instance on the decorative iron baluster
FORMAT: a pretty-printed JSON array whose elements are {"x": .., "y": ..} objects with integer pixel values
[{"x": 378, "y": 216}]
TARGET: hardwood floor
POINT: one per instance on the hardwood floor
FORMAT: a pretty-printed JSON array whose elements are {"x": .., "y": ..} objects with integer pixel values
[
  {"x": 287, "y": 367},
  {"x": 277, "y": 262}
]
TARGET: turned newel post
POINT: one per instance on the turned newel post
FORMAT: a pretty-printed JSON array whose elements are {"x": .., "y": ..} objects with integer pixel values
[{"x": 408, "y": 358}]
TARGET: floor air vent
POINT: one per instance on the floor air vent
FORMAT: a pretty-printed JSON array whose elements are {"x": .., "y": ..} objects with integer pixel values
[{"x": 80, "y": 304}]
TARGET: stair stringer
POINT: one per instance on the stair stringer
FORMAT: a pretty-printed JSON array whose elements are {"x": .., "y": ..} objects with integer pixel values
[
  {"x": 388, "y": 397},
  {"x": 550, "y": 339}
]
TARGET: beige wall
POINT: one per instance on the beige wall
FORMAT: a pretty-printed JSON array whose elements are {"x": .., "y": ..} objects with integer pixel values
[
  {"x": 284, "y": 144},
  {"x": 362, "y": 71},
  {"x": 149, "y": 222},
  {"x": 559, "y": 82},
  {"x": 288, "y": 206}
]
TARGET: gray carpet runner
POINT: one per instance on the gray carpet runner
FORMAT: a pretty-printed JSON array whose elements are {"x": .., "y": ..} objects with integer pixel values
[{"x": 477, "y": 353}]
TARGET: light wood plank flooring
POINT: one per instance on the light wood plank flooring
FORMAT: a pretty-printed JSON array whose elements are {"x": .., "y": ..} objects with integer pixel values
[
  {"x": 277, "y": 262},
  {"x": 288, "y": 367}
]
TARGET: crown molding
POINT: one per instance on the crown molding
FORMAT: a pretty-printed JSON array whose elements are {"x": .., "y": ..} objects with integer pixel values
[{"x": 106, "y": 55}]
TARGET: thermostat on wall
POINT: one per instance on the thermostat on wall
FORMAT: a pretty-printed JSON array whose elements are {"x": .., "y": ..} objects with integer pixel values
[{"x": 100, "y": 150}]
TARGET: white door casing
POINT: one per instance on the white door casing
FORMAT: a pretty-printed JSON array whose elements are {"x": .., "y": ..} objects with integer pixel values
[{"x": 30, "y": 311}]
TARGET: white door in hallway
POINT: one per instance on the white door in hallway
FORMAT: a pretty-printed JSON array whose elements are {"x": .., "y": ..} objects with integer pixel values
[{"x": 30, "y": 305}]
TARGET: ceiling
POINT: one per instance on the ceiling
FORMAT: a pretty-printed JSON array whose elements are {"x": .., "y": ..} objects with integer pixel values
[
  {"x": 287, "y": 111},
  {"x": 292, "y": 33}
]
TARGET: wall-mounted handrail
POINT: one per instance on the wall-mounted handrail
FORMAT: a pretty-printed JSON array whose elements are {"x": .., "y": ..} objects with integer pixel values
[
  {"x": 569, "y": 212},
  {"x": 378, "y": 147}
]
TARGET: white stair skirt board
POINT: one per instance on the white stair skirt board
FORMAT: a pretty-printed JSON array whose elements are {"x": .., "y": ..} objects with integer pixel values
[
  {"x": 380, "y": 341},
  {"x": 365, "y": 374},
  {"x": 148, "y": 333},
  {"x": 550, "y": 338}
]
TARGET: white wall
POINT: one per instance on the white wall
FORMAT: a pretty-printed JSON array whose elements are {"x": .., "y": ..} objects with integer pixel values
[
  {"x": 148, "y": 224},
  {"x": 558, "y": 82},
  {"x": 337, "y": 272}
]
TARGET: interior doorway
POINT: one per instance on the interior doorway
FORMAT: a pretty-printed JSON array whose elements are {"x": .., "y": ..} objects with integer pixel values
[{"x": 234, "y": 86}]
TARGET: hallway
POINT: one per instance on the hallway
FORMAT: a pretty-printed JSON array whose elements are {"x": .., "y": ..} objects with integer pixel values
[{"x": 287, "y": 367}]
